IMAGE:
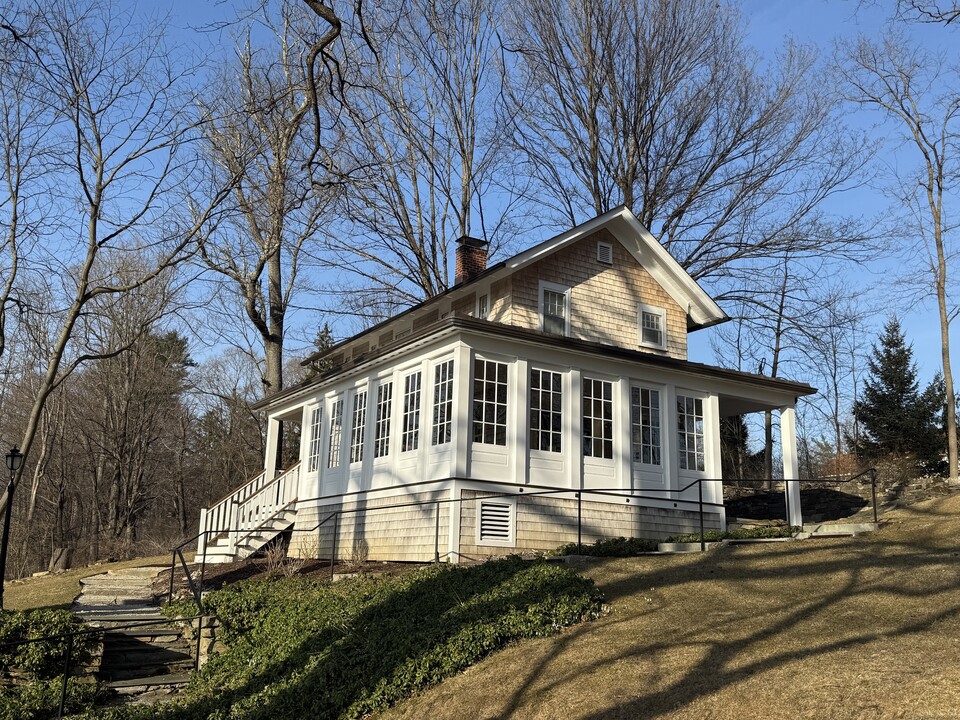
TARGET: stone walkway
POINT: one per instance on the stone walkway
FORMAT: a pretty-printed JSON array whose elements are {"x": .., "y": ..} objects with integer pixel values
[{"x": 147, "y": 663}]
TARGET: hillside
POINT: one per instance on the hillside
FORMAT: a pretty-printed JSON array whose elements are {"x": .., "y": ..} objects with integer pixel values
[{"x": 865, "y": 627}]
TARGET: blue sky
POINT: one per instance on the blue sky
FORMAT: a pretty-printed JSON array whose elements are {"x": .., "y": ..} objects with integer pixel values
[{"x": 816, "y": 22}]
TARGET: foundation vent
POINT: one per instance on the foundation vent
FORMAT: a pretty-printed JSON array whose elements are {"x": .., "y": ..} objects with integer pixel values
[{"x": 496, "y": 522}]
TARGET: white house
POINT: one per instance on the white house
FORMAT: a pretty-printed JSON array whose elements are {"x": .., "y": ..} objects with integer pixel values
[{"x": 543, "y": 395}]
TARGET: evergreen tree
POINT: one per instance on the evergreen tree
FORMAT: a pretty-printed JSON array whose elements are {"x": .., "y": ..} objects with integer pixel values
[{"x": 896, "y": 417}]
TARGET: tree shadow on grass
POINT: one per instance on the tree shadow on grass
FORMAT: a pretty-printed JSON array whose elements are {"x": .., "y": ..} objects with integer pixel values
[{"x": 780, "y": 625}]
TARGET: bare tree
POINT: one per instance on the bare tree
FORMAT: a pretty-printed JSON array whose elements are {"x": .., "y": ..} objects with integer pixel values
[
  {"x": 910, "y": 90},
  {"x": 662, "y": 106},
  {"x": 425, "y": 149},
  {"x": 119, "y": 118},
  {"x": 946, "y": 13},
  {"x": 260, "y": 149}
]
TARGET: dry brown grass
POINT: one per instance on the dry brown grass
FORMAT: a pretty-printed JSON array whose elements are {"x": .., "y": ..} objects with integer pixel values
[
  {"x": 867, "y": 627},
  {"x": 59, "y": 589}
]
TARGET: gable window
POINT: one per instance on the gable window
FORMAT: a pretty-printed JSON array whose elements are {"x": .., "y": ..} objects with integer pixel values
[
  {"x": 546, "y": 401},
  {"x": 356, "y": 429},
  {"x": 489, "y": 402},
  {"x": 313, "y": 449},
  {"x": 653, "y": 327},
  {"x": 410, "y": 440},
  {"x": 442, "y": 402},
  {"x": 554, "y": 309},
  {"x": 598, "y": 418},
  {"x": 336, "y": 433},
  {"x": 381, "y": 434},
  {"x": 645, "y": 425},
  {"x": 483, "y": 307},
  {"x": 690, "y": 433}
]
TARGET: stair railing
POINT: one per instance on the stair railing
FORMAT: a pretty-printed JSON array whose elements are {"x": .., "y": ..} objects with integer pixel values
[{"x": 72, "y": 641}]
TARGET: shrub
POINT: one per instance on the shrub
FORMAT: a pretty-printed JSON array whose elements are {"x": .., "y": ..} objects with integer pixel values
[
  {"x": 617, "y": 547},
  {"x": 754, "y": 533},
  {"x": 300, "y": 647}
]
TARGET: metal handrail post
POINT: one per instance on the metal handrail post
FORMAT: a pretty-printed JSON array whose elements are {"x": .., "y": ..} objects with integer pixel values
[
  {"x": 173, "y": 565},
  {"x": 436, "y": 536},
  {"x": 66, "y": 675},
  {"x": 703, "y": 541},
  {"x": 580, "y": 523},
  {"x": 333, "y": 542},
  {"x": 873, "y": 490}
]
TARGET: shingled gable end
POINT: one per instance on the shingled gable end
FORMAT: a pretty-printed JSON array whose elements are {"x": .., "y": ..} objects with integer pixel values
[{"x": 467, "y": 425}]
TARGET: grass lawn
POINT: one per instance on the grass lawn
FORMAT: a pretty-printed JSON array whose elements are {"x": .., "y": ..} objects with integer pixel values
[
  {"x": 866, "y": 627},
  {"x": 59, "y": 590}
]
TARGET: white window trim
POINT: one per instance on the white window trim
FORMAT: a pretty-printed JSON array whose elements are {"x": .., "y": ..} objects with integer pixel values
[
  {"x": 511, "y": 540},
  {"x": 653, "y": 310},
  {"x": 477, "y": 313},
  {"x": 566, "y": 292}
]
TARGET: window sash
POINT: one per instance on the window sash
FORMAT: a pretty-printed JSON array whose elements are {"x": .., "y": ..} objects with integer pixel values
[
  {"x": 336, "y": 433},
  {"x": 598, "y": 418},
  {"x": 381, "y": 440},
  {"x": 652, "y": 327},
  {"x": 554, "y": 312},
  {"x": 546, "y": 403},
  {"x": 410, "y": 439},
  {"x": 690, "y": 433},
  {"x": 357, "y": 428},
  {"x": 645, "y": 425},
  {"x": 489, "y": 402},
  {"x": 313, "y": 447},
  {"x": 442, "y": 403}
]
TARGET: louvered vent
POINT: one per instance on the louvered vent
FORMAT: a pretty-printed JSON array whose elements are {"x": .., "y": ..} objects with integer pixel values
[
  {"x": 496, "y": 519},
  {"x": 605, "y": 253}
]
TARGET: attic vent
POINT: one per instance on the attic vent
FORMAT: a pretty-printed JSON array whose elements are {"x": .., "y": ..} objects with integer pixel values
[
  {"x": 605, "y": 253},
  {"x": 496, "y": 525}
]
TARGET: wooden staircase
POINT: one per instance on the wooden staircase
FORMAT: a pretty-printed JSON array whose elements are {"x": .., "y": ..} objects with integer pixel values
[{"x": 247, "y": 519}]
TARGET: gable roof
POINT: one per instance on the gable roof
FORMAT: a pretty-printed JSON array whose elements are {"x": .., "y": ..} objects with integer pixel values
[{"x": 700, "y": 308}]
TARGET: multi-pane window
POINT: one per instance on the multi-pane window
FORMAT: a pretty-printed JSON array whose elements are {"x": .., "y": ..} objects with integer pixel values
[
  {"x": 546, "y": 400},
  {"x": 483, "y": 306},
  {"x": 442, "y": 402},
  {"x": 690, "y": 432},
  {"x": 645, "y": 425},
  {"x": 554, "y": 312},
  {"x": 356, "y": 428},
  {"x": 313, "y": 450},
  {"x": 336, "y": 433},
  {"x": 652, "y": 326},
  {"x": 381, "y": 431},
  {"x": 597, "y": 418},
  {"x": 489, "y": 402},
  {"x": 410, "y": 439}
]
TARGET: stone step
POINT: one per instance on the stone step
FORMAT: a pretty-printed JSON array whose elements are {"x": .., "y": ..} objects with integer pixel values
[
  {"x": 144, "y": 684},
  {"x": 142, "y": 674},
  {"x": 143, "y": 657}
]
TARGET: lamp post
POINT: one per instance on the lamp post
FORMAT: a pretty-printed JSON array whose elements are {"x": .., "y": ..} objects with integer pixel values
[{"x": 14, "y": 460}]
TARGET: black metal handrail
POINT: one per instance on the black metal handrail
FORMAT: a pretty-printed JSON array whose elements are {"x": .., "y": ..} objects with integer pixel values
[
  {"x": 71, "y": 637},
  {"x": 539, "y": 490}
]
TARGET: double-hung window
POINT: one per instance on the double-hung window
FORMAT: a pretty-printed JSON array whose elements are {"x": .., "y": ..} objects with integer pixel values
[
  {"x": 442, "y": 402},
  {"x": 690, "y": 433},
  {"x": 410, "y": 439},
  {"x": 546, "y": 401},
  {"x": 645, "y": 425},
  {"x": 313, "y": 449},
  {"x": 598, "y": 418},
  {"x": 357, "y": 427},
  {"x": 381, "y": 434},
  {"x": 653, "y": 326},
  {"x": 489, "y": 402},
  {"x": 336, "y": 433},
  {"x": 554, "y": 309}
]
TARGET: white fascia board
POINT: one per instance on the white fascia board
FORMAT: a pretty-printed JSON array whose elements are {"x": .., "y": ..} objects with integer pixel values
[{"x": 646, "y": 249}]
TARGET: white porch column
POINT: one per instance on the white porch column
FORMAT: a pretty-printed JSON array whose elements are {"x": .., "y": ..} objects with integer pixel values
[
  {"x": 270, "y": 453},
  {"x": 788, "y": 444}
]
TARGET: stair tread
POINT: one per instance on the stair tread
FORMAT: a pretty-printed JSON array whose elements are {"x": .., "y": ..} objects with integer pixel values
[{"x": 168, "y": 679}]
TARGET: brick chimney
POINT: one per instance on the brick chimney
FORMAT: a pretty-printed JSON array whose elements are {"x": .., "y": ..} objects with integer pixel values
[{"x": 471, "y": 258}]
